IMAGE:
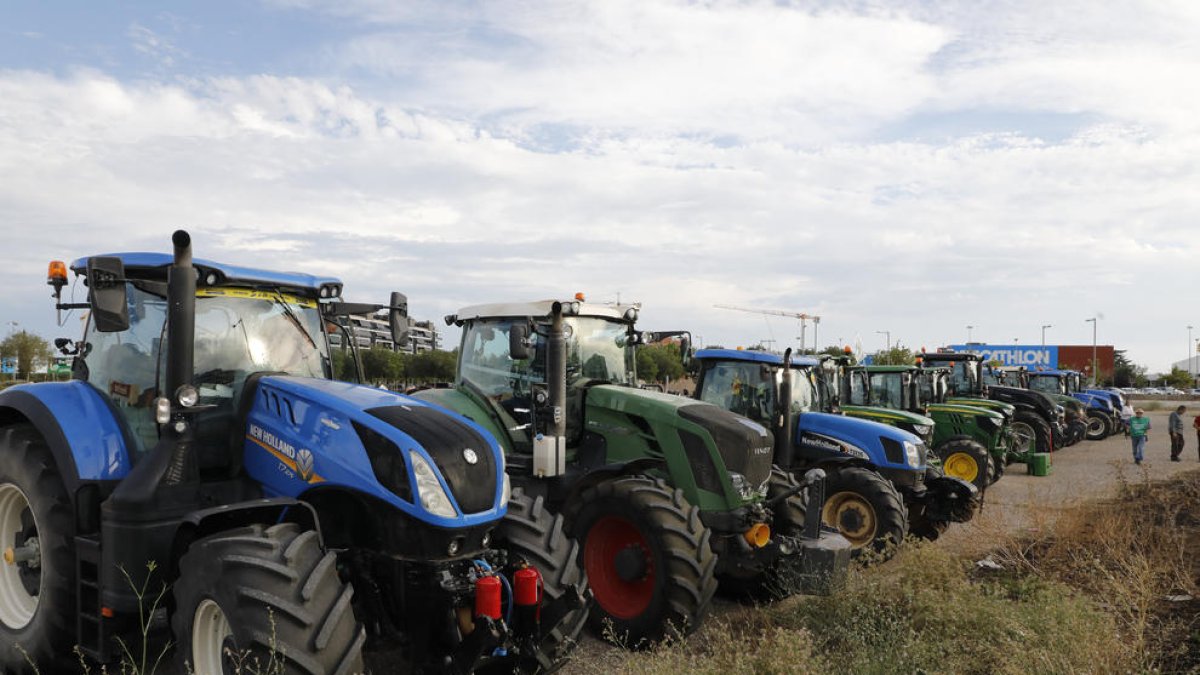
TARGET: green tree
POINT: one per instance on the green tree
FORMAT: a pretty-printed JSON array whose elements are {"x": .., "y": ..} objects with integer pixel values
[
  {"x": 1178, "y": 378},
  {"x": 27, "y": 348},
  {"x": 1127, "y": 373},
  {"x": 667, "y": 358},
  {"x": 432, "y": 366},
  {"x": 647, "y": 367},
  {"x": 896, "y": 356},
  {"x": 381, "y": 364}
]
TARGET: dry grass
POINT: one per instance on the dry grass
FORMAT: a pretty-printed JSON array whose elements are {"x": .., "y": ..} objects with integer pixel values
[{"x": 1101, "y": 587}]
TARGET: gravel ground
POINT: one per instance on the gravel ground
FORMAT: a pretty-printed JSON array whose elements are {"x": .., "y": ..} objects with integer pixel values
[{"x": 1086, "y": 470}]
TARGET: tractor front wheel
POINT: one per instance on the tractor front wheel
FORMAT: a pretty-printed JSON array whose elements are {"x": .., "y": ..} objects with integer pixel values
[
  {"x": 532, "y": 533},
  {"x": 1098, "y": 426},
  {"x": 647, "y": 558},
  {"x": 37, "y": 575},
  {"x": 865, "y": 508},
  {"x": 1031, "y": 433},
  {"x": 967, "y": 459},
  {"x": 264, "y": 599}
]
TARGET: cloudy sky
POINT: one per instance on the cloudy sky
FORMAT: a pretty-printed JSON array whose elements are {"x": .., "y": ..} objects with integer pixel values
[{"x": 911, "y": 167}]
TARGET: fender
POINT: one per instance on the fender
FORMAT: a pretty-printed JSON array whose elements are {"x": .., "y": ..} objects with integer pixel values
[
  {"x": 85, "y": 434},
  {"x": 200, "y": 524}
]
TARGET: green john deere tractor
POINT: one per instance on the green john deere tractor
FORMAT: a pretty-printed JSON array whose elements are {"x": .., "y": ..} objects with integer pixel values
[
  {"x": 971, "y": 441},
  {"x": 665, "y": 494}
]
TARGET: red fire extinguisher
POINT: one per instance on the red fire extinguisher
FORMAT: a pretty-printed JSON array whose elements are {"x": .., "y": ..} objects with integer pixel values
[
  {"x": 487, "y": 597},
  {"x": 527, "y": 598}
]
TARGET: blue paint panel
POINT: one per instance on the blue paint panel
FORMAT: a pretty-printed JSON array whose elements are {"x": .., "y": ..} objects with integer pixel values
[
  {"x": 316, "y": 416},
  {"x": 863, "y": 433},
  {"x": 231, "y": 272},
  {"x": 88, "y": 425},
  {"x": 1033, "y": 357}
]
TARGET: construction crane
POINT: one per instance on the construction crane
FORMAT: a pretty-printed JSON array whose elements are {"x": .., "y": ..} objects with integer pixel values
[{"x": 804, "y": 318}]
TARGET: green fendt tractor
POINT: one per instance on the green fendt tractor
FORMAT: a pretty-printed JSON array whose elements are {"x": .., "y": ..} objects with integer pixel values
[
  {"x": 665, "y": 494},
  {"x": 971, "y": 441}
]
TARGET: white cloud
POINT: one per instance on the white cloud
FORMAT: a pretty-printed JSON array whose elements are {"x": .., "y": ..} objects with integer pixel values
[{"x": 681, "y": 155}]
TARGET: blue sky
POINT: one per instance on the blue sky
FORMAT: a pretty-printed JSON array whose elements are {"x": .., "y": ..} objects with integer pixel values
[{"x": 904, "y": 166}]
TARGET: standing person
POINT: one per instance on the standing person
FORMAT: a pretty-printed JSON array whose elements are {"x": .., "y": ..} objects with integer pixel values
[
  {"x": 1175, "y": 429},
  {"x": 1196, "y": 425},
  {"x": 1139, "y": 431}
]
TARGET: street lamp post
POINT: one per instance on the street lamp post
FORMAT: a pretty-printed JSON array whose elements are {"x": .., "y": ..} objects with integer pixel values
[
  {"x": 887, "y": 338},
  {"x": 816, "y": 322},
  {"x": 1189, "y": 350},
  {"x": 1044, "y": 327},
  {"x": 1095, "y": 362}
]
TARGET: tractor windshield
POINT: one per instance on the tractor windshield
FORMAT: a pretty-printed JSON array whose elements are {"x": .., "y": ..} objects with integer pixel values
[
  {"x": 810, "y": 391},
  {"x": 1047, "y": 384},
  {"x": 887, "y": 390},
  {"x": 238, "y": 332},
  {"x": 750, "y": 389},
  {"x": 963, "y": 378},
  {"x": 597, "y": 349}
]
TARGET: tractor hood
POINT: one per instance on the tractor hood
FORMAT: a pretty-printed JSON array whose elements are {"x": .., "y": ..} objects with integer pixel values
[
  {"x": 880, "y": 444},
  {"x": 745, "y": 446},
  {"x": 434, "y": 464},
  {"x": 1015, "y": 395},
  {"x": 887, "y": 415}
]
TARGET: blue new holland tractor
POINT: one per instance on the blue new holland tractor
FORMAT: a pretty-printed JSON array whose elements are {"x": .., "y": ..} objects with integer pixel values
[{"x": 203, "y": 444}]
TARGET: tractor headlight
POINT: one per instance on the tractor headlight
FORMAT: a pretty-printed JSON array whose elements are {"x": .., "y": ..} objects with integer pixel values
[
  {"x": 923, "y": 429},
  {"x": 742, "y": 486},
  {"x": 430, "y": 492},
  {"x": 912, "y": 453},
  {"x": 505, "y": 490},
  {"x": 988, "y": 423},
  {"x": 187, "y": 396}
]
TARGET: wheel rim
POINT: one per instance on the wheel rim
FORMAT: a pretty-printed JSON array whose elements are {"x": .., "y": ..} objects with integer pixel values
[
  {"x": 1095, "y": 426},
  {"x": 211, "y": 634},
  {"x": 1023, "y": 437},
  {"x": 614, "y": 545},
  {"x": 853, "y": 516},
  {"x": 17, "y": 604},
  {"x": 961, "y": 465}
]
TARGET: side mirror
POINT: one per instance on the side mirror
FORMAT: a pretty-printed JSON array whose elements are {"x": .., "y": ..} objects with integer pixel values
[
  {"x": 518, "y": 342},
  {"x": 106, "y": 294},
  {"x": 398, "y": 319},
  {"x": 685, "y": 349}
]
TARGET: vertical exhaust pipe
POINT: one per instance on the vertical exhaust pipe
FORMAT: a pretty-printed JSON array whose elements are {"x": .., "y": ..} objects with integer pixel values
[
  {"x": 550, "y": 447},
  {"x": 784, "y": 452},
  {"x": 181, "y": 315}
]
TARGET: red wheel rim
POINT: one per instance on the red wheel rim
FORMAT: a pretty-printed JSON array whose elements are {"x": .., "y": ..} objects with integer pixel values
[{"x": 618, "y": 597}]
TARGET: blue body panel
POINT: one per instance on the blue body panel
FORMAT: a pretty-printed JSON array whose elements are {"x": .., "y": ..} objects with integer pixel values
[
  {"x": 863, "y": 434},
  {"x": 230, "y": 272},
  {"x": 314, "y": 417},
  {"x": 93, "y": 434}
]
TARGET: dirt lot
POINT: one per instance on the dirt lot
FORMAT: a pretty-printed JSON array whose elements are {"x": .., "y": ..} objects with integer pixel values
[{"x": 1086, "y": 470}]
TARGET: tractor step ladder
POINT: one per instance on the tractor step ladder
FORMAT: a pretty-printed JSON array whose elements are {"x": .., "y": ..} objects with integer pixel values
[{"x": 89, "y": 619}]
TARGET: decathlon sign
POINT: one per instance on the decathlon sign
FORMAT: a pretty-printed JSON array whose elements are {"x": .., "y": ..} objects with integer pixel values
[{"x": 1014, "y": 355}]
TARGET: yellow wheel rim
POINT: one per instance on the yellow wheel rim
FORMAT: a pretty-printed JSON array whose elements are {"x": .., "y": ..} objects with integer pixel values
[
  {"x": 961, "y": 465},
  {"x": 853, "y": 516}
]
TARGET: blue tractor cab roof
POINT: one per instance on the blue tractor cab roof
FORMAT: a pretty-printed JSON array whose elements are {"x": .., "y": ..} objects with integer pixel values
[
  {"x": 227, "y": 274},
  {"x": 1051, "y": 371},
  {"x": 755, "y": 356}
]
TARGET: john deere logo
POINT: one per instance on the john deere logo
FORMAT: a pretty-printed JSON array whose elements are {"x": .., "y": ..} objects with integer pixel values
[
  {"x": 470, "y": 456},
  {"x": 304, "y": 464}
]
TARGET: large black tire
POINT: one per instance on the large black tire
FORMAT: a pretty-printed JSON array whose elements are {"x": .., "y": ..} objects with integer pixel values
[
  {"x": 966, "y": 459},
  {"x": 279, "y": 592},
  {"x": 37, "y": 603},
  {"x": 866, "y": 509},
  {"x": 922, "y": 526},
  {"x": 648, "y": 560},
  {"x": 997, "y": 469},
  {"x": 534, "y": 534},
  {"x": 1042, "y": 434},
  {"x": 1099, "y": 426}
]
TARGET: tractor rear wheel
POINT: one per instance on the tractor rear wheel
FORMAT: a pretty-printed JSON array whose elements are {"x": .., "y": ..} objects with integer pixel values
[
  {"x": 534, "y": 534},
  {"x": 647, "y": 558},
  {"x": 1031, "y": 431},
  {"x": 966, "y": 459},
  {"x": 865, "y": 508},
  {"x": 37, "y": 576},
  {"x": 264, "y": 599},
  {"x": 1098, "y": 426}
]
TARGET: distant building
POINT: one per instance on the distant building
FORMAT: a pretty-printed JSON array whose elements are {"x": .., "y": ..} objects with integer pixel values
[
  {"x": 1034, "y": 357},
  {"x": 423, "y": 336}
]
